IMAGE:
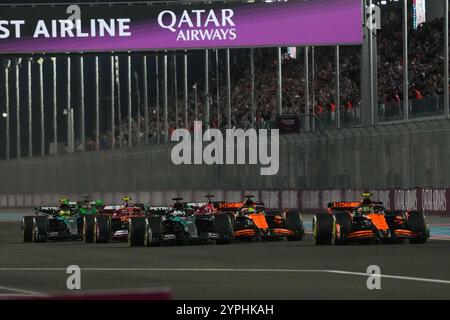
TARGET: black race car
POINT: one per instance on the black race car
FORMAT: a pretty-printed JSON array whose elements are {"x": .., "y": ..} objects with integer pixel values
[{"x": 181, "y": 223}]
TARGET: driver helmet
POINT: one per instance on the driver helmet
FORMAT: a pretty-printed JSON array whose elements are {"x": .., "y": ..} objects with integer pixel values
[
  {"x": 365, "y": 209},
  {"x": 244, "y": 211},
  {"x": 65, "y": 213},
  {"x": 178, "y": 213},
  {"x": 366, "y": 202}
]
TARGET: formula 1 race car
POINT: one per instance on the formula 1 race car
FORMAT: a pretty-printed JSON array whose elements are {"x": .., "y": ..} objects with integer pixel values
[
  {"x": 64, "y": 222},
  {"x": 193, "y": 223},
  {"x": 252, "y": 221},
  {"x": 368, "y": 221},
  {"x": 213, "y": 223},
  {"x": 111, "y": 222}
]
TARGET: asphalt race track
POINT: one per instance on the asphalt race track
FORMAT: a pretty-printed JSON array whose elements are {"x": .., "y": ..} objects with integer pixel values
[{"x": 262, "y": 270}]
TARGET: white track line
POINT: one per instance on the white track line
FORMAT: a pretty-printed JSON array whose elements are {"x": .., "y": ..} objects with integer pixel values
[
  {"x": 20, "y": 291},
  {"x": 387, "y": 276}
]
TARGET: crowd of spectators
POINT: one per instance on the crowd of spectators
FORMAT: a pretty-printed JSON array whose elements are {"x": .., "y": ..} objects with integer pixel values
[{"x": 425, "y": 74}]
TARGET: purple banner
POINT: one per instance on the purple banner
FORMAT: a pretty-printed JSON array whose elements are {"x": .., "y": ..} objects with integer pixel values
[{"x": 179, "y": 26}]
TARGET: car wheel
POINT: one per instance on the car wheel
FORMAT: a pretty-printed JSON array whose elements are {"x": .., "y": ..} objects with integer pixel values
[
  {"x": 417, "y": 224},
  {"x": 148, "y": 237},
  {"x": 294, "y": 222},
  {"x": 224, "y": 228},
  {"x": 324, "y": 229},
  {"x": 88, "y": 228},
  {"x": 102, "y": 229},
  {"x": 343, "y": 227},
  {"x": 27, "y": 228},
  {"x": 156, "y": 226},
  {"x": 136, "y": 231},
  {"x": 40, "y": 228}
]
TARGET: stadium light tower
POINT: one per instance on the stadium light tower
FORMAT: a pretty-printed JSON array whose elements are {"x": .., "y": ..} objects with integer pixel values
[
  {"x": 130, "y": 140},
  {"x": 40, "y": 62},
  {"x": 252, "y": 90},
  {"x": 158, "y": 125},
  {"x": 97, "y": 106},
  {"x": 166, "y": 123},
  {"x": 17, "y": 63},
  {"x": 207, "y": 119},
  {"x": 306, "y": 62},
  {"x": 175, "y": 88},
  {"x": 369, "y": 111},
  {"x": 186, "y": 96},
  {"x": 338, "y": 89},
  {"x": 145, "y": 93},
  {"x": 55, "y": 108},
  {"x": 218, "y": 89},
  {"x": 313, "y": 89},
  {"x": 138, "y": 109},
  {"x": 119, "y": 105},
  {"x": 446, "y": 61},
  {"x": 82, "y": 107},
  {"x": 30, "y": 118},
  {"x": 228, "y": 88},
  {"x": 6, "y": 66},
  {"x": 280, "y": 87},
  {"x": 405, "y": 62},
  {"x": 68, "y": 107},
  {"x": 112, "y": 84},
  {"x": 195, "y": 102}
]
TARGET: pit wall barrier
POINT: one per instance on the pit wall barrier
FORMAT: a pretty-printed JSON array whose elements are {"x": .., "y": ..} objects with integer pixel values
[{"x": 431, "y": 201}]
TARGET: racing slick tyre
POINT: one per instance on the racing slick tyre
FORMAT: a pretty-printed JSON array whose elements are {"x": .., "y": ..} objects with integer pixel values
[
  {"x": 156, "y": 226},
  {"x": 40, "y": 228},
  {"x": 294, "y": 222},
  {"x": 233, "y": 219},
  {"x": 102, "y": 229},
  {"x": 417, "y": 224},
  {"x": 224, "y": 228},
  {"x": 88, "y": 228},
  {"x": 27, "y": 229},
  {"x": 148, "y": 236},
  {"x": 136, "y": 231},
  {"x": 343, "y": 227},
  {"x": 324, "y": 229}
]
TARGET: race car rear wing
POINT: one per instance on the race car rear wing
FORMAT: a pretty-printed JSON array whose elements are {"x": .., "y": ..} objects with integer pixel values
[
  {"x": 159, "y": 210},
  {"x": 196, "y": 204},
  {"x": 46, "y": 210}
]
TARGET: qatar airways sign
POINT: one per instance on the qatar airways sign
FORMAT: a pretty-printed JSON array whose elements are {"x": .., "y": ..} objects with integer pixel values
[
  {"x": 147, "y": 27},
  {"x": 195, "y": 25}
]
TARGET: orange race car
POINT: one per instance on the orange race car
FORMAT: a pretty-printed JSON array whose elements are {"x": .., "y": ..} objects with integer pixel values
[
  {"x": 368, "y": 221},
  {"x": 252, "y": 221}
]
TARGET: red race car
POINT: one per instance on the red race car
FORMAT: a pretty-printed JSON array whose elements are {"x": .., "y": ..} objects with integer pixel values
[{"x": 111, "y": 223}]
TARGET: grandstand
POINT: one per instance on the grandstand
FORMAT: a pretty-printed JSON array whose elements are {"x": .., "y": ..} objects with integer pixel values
[{"x": 145, "y": 124}]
